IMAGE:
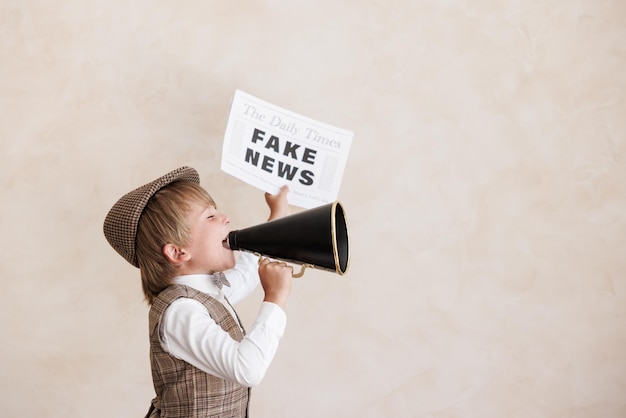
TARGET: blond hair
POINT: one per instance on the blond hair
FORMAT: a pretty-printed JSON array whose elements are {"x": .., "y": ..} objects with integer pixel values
[{"x": 165, "y": 220}]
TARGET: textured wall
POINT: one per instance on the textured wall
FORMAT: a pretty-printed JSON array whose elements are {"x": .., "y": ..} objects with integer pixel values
[{"x": 485, "y": 191}]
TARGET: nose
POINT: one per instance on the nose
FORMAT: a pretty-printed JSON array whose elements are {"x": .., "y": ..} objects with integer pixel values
[{"x": 225, "y": 219}]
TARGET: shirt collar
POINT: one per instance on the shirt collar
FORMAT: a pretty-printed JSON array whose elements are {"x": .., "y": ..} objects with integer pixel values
[{"x": 202, "y": 282}]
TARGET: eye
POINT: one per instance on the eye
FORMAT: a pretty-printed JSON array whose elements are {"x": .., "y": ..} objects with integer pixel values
[{"x": 210, "y": 212}]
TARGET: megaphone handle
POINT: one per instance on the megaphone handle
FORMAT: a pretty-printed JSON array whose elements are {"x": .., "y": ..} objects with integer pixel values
[
  {"x": 301, "y": 272},
  {"x": 294, "y": 275}
]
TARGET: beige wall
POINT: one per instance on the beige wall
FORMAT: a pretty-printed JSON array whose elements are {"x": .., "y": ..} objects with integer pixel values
[{"x": 485, "y": 191}]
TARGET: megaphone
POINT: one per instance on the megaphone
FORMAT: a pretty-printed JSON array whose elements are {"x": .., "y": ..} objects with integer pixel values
[{"x": 316, "y": 238}]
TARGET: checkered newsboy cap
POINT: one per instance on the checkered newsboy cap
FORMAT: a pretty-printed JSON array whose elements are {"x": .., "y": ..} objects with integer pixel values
[{"x": 120, "y": 224}]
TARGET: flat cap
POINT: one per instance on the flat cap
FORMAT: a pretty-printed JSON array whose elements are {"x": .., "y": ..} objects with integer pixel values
[{"x": 120, "y": 224}]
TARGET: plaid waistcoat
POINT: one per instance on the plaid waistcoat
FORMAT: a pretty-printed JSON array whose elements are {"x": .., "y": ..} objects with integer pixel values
[{"x": 182, "y": 390}]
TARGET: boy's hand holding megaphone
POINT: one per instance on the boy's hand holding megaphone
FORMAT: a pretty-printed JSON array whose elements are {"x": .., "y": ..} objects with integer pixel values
[{"x": 276, "y": 279}]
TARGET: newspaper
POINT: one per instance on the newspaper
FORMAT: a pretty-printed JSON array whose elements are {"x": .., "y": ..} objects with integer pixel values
[{"x": 267, "y": 147}]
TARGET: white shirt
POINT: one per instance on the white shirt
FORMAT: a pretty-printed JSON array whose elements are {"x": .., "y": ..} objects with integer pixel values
[{"x": 190, "y": 334}]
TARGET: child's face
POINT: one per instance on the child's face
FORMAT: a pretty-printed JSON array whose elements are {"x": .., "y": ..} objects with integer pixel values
[{"x": 208, "y": 228}]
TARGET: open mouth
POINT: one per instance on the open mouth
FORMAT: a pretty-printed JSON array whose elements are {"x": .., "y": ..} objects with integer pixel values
[{"x": 225, "y": 243}]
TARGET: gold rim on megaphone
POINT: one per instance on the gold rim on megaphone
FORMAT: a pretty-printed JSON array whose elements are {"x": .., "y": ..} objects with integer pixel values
[{"x": 314, "y": 238}]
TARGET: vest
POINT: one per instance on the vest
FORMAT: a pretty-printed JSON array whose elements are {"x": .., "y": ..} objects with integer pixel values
[{"x": 182, "y": 390}]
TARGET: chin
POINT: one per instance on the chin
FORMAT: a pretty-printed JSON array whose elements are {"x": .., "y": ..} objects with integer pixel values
[{"x": 231, "y": 263}]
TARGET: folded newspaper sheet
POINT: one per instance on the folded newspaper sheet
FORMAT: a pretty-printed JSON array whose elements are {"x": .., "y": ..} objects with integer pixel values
[{"x": 267, "y": 147}]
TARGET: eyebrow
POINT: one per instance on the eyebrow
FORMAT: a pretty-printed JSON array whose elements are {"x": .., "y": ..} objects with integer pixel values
[{"x": 208, "y": 209}]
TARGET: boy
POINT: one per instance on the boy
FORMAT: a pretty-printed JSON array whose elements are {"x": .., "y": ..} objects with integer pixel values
[{"x": 203, "y": 363}]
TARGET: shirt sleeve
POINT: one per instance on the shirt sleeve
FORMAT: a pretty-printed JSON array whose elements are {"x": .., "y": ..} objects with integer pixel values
[
  {"x": 243, "y": 278},
  {"x": 190, "y": 334}
]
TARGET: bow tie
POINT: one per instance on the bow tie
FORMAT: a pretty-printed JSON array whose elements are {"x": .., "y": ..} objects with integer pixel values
[{"x": 220, "y": 280}]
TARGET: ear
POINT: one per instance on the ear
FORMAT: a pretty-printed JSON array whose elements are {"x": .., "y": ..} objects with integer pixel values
[{"x": 174, "y": 254}]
